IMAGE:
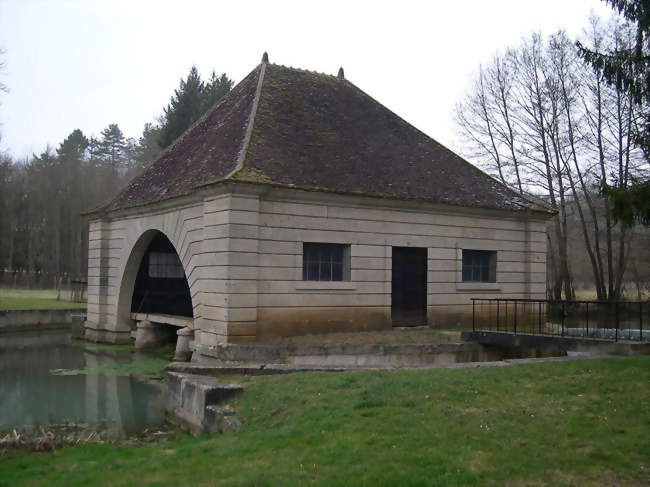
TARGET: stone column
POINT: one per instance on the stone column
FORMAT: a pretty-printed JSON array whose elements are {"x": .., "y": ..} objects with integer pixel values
[
  {"x": 98, "y": 281},
  {"x": 230, "y": 257},
  {"x": 150, "y": 334},
  {"x": 183, "y": 352}
]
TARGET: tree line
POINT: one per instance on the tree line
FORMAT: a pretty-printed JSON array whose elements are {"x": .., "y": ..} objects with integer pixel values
[
  {"x": 545, "y": 119},
  {"x": 43, "y": 196},
  {"x": 559, "y": 119}
]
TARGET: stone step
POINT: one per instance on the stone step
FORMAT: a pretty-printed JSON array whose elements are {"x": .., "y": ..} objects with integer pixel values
[{"x": 188, "y": 396}]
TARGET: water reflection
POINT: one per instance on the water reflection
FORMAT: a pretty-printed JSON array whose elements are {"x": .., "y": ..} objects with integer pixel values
[{"x": 31, "y": 395}]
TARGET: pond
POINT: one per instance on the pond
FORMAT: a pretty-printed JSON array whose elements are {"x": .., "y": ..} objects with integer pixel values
[{"x": 47, "y": 378}]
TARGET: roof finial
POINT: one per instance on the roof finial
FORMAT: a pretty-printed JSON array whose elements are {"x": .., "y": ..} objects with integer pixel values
[
  {"x": 341, "y": 74},
  {"x": 265, "y": 57}
]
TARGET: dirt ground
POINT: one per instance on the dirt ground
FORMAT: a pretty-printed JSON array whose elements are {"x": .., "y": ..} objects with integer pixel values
[{"x": 417, "y": 335}]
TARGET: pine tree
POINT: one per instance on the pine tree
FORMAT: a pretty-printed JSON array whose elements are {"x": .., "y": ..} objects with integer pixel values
[
  {"x": 629, "y": 70},
  {"x": 148, "y": 146},
  {"x": 67, "y": 204},
  {"x": 191, "y": 100},
  {"x": 185, "y": 107},
  {"x": 112, "y": 146},
  {"x": 73, "y": 146},
  {"x": 215, "y": 89}
]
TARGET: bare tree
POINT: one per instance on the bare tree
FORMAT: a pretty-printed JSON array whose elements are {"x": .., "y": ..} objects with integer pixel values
[{"x": 543, "y": 122}]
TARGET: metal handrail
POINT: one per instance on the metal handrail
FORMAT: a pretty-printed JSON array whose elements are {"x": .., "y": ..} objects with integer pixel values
[
  {"x": 567, "y": 301},
  {"x": 607, "y": 312}
]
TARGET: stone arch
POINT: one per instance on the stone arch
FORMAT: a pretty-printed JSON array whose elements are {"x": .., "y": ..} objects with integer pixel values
[{"x": 129, "y": 273}]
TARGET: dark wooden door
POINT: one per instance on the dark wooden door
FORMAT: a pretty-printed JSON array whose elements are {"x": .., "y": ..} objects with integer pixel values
[{"x": 409, "y": 286}]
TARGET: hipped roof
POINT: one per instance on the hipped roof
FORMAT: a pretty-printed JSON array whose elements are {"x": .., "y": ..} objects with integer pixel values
[{"x": 295, "y": 128}]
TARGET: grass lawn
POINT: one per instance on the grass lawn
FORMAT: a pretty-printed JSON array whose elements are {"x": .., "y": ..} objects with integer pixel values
[
  {"x": 580, "y": 423},
  {"x": 630, "y": 294},
  {"x": 34, "y": 299}
]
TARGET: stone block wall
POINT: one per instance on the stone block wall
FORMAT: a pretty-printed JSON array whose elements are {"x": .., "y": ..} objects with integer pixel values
[
  {"x": 242, "y": 254},
  {"x": 116, "y": 248}
]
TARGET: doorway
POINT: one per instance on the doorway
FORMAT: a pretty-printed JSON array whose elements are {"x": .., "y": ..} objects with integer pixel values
[{"x": 409, "y": 286}]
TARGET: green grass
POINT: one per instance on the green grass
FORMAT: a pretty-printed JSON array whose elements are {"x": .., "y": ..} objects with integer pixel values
[
  {"x": 16, "y": 299},
  {"x": 575, "y": 423}
]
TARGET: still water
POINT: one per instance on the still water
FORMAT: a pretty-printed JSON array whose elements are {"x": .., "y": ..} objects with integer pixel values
[{"x": 31, "y": 395}]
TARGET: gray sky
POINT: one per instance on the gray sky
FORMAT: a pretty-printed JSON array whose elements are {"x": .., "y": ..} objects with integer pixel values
[{"x": 85, "y": 64}]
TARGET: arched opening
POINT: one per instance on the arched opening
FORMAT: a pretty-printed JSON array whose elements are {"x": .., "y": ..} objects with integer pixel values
[
  {"x": 155, "y": 295},
  {"x": 161, "y": 286}
]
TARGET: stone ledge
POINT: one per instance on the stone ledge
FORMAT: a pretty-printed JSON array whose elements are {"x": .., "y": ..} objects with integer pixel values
[
  {"x": 191, "y": 401},
  {"x": 273, "y": 369},
  {"x": 566, "y": 343},
  {"x": 23, "y": 319},
  {"x": 345, "y": 355}
]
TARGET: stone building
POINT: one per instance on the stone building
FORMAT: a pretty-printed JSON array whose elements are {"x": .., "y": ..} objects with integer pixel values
[{"x": 299, "y": 204}]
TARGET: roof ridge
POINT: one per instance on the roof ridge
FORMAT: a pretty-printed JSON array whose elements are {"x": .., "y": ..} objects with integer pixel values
[
  {"x": 241, "y": 157},
  {"x": 169, "y": 148},
  {"x": 198, "y": 121},
  {"x": 292, "y": 127},
  {"x": 303, "y": 70}
]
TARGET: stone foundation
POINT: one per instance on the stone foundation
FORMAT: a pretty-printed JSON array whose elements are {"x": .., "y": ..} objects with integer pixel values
[
  {"x": 194, "y": 402},
  {"x": 30, "y": 319},
  {"x": 150, "y": 334},
  {"x": 346, "y": 355},
  {"x": 102, "y": 335}
]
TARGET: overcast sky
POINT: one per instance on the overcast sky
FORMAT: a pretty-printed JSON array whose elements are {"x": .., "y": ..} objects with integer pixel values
[{"x": 85, "y": 64}]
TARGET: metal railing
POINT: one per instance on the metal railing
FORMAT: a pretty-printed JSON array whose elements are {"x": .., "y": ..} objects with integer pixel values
[{"x": 612, "y": 320}]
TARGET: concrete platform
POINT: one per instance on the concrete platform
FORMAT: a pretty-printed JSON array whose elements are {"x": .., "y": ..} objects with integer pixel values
[
  {"x": 195, "y": 402},
  {"x": 346, "y": 354},
  {"x": 26, "y": 319},
  {"x": 273, "y": 369},
  {"x": 559, "y": 343}
]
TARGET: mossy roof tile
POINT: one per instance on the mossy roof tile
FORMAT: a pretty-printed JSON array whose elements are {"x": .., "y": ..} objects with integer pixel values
[{"x": 312, "y": 130}]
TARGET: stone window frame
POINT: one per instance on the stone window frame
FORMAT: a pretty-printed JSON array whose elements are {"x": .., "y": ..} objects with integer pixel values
[
  {"x": 334, "y": 255},
  {"x": 320, "y": 286},
  {"x": 468, "y": 286},
  {"x": 479, "y": 266}
]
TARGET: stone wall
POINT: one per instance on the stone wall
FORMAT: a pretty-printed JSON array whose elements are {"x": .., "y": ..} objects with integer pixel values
[
  {"x": 242, "y": 252},
  {"x": 116, "y": 248},
  {"x": 288, "y": 305},
  {"x": 11, "y": 320}
]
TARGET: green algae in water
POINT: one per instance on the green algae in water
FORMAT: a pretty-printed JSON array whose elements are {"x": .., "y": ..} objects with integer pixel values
[
  {"x": 154, "y": 366},
  {"x": 91, "y": 385},
  {"x": 128, "y": 347}
]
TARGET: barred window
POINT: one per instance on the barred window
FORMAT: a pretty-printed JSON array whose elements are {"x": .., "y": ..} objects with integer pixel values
[
  {"x": 479, "y": 266},
  {"x": 325, "y": 262},
  {"x": 164, "y": 265}
]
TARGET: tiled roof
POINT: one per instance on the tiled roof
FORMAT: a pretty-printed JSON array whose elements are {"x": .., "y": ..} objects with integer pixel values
[{"x": 301, "y": 129}]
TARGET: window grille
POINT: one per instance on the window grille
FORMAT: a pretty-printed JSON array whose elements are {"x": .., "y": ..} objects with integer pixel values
[
  {"x": 163, "y": 265},
  {"x": 325, "y": 262},
  {"x": 479, "y": 265}
]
